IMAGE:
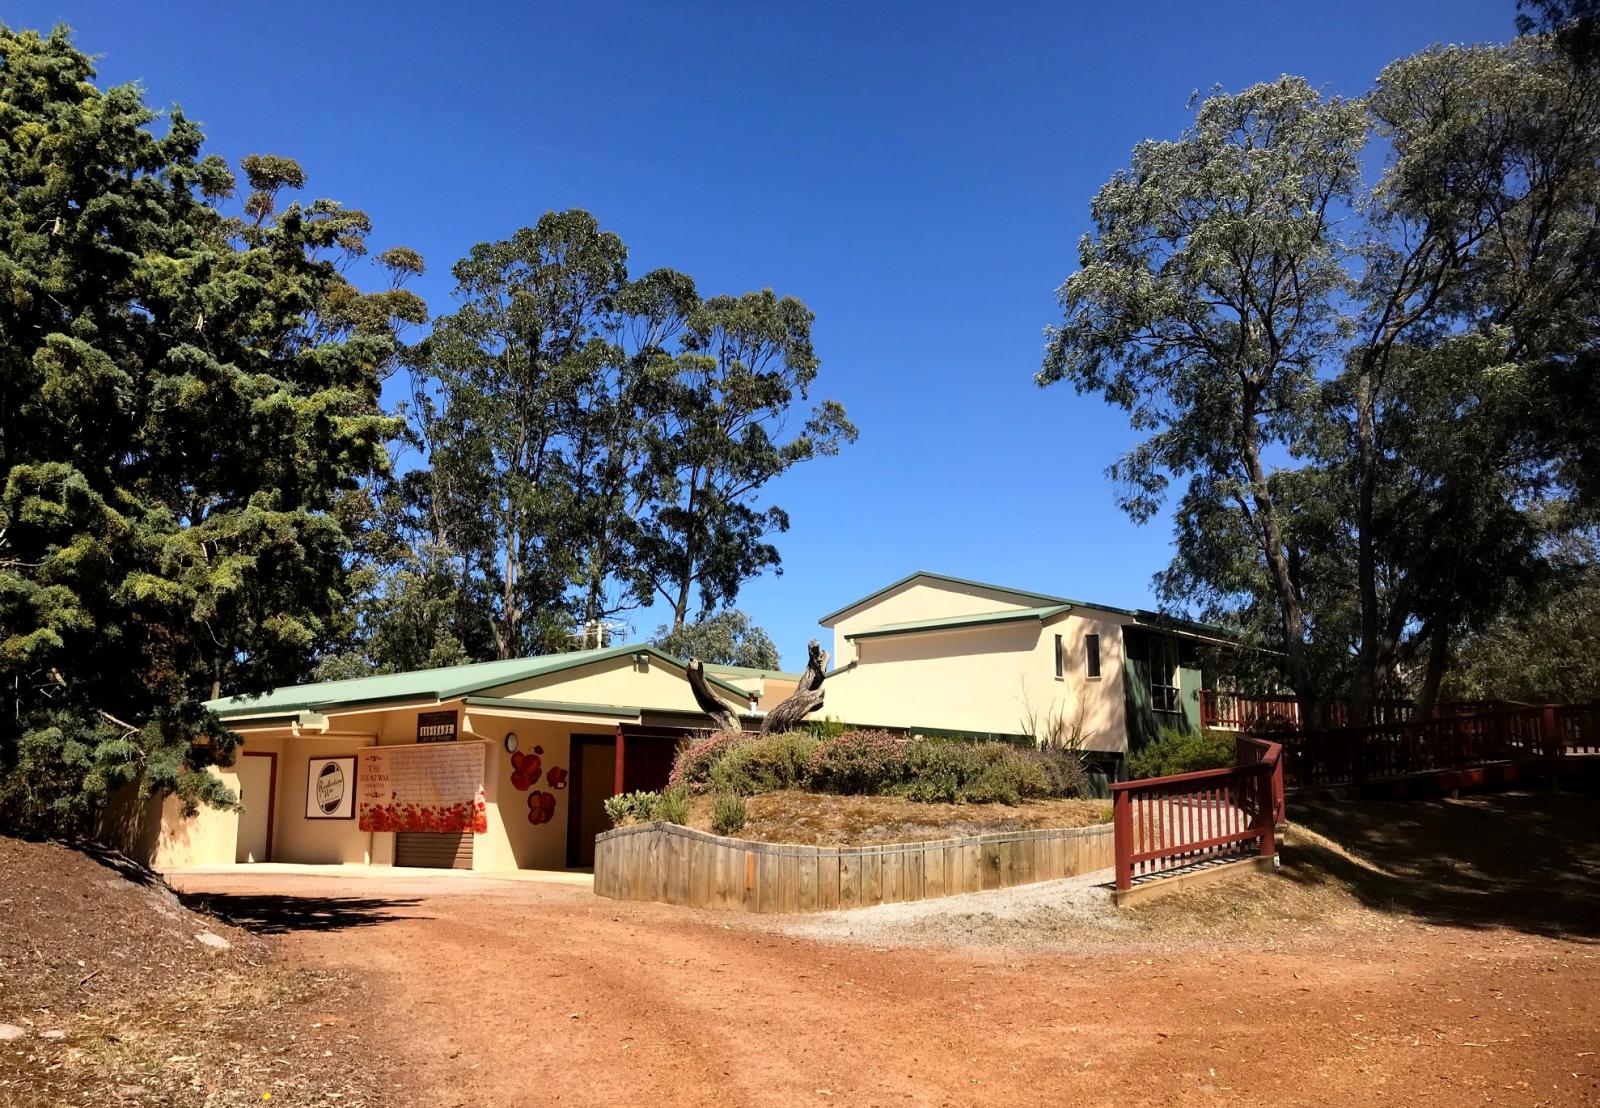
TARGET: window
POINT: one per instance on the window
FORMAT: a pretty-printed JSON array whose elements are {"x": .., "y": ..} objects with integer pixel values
[
  {"x": 1091, "y": 649},
  {"x": 1061, "y": 663},
  {"x": 1164, "y": 675}
]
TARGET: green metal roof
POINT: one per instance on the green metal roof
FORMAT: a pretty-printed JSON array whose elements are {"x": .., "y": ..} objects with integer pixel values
[
  {"x": 434, "y": 684},
  {"x": 956, "y": 623}
]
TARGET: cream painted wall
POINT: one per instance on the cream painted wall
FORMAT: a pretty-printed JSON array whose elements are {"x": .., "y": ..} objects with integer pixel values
[
  {"x": 315, "y": 841},
  {"x": 615, "y": 681},
  {"x": 924, "y": 599},
  {"x": 986, "y": 679},
  {"x": 512, "y": 841}
]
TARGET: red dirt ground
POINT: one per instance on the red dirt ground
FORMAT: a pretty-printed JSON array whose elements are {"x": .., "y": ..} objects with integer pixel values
[{"x": 515, "y": 993}]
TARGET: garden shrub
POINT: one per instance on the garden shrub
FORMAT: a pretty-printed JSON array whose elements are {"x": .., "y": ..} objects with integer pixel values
[
  {"x": 1173, "y": 751},
  {"x": 764, "y": 764},
  {"x": 673, "y": 807},
  {"x": 1063, "y": 765},
  {"x": 691, "y": 766},
  {"x": 634, "y": 807},
  {"x": 1007, "y": 775},
  {"x": 859, "y": 763},
  {"x": 728, "y": 814}
]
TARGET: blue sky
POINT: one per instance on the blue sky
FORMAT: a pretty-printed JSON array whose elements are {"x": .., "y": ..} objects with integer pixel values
[{"x": 918, "y": 174}]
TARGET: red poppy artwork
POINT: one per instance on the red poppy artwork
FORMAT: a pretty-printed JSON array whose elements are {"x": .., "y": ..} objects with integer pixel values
[
  {"x": 541, "y": 806},
  {"x": 557, "y": 777},
  {"x": 525, "y": 769}
]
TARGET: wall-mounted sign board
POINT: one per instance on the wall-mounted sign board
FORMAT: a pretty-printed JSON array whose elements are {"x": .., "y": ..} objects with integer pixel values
[
  {"x": 331, "y": 788},
  {"x": 436, "y": 727},
  {"x": 437, "y": 788}
]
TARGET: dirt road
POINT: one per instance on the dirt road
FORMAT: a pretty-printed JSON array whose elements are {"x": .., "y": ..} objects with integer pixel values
[{"x": 505, "y": 993}]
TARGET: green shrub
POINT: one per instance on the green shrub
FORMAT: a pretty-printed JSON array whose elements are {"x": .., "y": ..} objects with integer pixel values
[
  {"x": 1063, "y": 765},
  {"x": 691, "y": 766},
  {"x": 673, "y": 807},
  {"x": 827, "y": 728},
  {"x": 1006, "y": 776},
  {"x": 728, "y": 814},
  {"x": 1174, "y": 751},
  {"x": 634, "y": 807},
  {"x": 859, "y": 763},
  {"x": 765, "y": 764}
]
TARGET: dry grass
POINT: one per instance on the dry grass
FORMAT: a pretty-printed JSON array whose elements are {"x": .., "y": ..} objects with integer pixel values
[{"x": 820, "y": 819}]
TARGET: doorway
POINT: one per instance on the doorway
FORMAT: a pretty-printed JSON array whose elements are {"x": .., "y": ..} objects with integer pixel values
[
  {"x": 647, "y": 763},
  {"x": 258, "y": 796}
]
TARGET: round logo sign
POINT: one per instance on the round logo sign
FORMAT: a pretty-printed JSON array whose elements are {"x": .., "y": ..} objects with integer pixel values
[{"x": 330, "y": 787}]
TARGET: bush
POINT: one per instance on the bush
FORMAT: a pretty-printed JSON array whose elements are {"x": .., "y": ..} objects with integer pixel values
[
  {"x": 691, "y": 766},
  {"x": 728, "y": 814},
  {"x": 1007, "y": 775},
  {"x": 859, "y": 763},
  {"x": 1063, "y": 765},
  {"x": 764, "y": 764},
  {"x": 1174, "y": 751},
  {"x": 671, "y": 806},
  {"x": 634, "y": 807}
]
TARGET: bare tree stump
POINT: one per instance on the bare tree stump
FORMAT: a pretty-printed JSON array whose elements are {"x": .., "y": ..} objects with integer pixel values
[
  {"x": 807, "y": 695},
  {"x": 710, "y": 703}
]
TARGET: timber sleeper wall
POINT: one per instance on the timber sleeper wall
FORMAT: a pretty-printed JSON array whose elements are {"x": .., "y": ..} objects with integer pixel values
[{"x": 679, "y": 865}]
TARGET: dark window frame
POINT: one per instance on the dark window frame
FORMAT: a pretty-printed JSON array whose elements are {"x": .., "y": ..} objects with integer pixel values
[{"x": 1091, "y": 658}]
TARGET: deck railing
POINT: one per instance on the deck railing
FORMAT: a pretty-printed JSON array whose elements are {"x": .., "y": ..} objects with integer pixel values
[
  {"x": 1226, "y": 711},
  {"x": 1354, "y": 755},
  {"x": 1168, "y": 823}
]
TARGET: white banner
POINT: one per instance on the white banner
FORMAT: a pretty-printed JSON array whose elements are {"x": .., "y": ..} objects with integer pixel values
[{"x": 432, "y": 787}]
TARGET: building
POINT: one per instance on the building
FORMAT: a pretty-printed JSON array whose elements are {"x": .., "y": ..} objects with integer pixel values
[
  {"x": 494, "y": 766},
  {"x": 939, "y": 654},
  {"x": 508, "y": 764}
]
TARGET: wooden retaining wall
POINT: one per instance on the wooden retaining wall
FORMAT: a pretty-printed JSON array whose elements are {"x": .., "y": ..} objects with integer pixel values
[{"x": 679, "y": 865}]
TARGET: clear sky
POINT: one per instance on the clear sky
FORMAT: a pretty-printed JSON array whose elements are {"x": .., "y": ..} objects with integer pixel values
[{"x": 919, "y": 175}]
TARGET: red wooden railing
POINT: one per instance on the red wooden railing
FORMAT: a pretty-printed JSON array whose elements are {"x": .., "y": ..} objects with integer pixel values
[
  {"x": 1167, "y": 823},
  {"x": 1226, "y": 711},
  {"x": 1354, "y": 755}
]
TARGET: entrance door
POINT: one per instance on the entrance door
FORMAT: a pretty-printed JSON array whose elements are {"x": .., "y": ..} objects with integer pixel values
[
  {"x": 257, "y": 796},
  {"x": 592, "y": 779}
]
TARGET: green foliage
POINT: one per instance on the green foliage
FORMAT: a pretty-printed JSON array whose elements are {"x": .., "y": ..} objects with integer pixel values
[
  {"x": 693, "y": 762},
  {"x": 642, "y": 806},
  {"x": 1174, "y": 751},
  {"x": 878, "y": 763},
  {"x": 1370, "y": 390},
  {"x": 764, "y": 764},
  {"x": 673, "y": 807},
  {"x": 188, "y": 407},
  {"x": 594, "y": 441},
  {"x": 728, "y": 814},
  {"x": 728, "y": 638},
  {"x": 862, "y": 763}
]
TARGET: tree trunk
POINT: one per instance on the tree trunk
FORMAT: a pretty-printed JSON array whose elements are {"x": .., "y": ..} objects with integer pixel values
[
  {"x": 1438, "y": 662},
  {"x": 1368, "y": 661},
  {"x": 710, "y": 703},
  {"x": 1290, "y": 609},
  {"x": 806, "y": 698}
]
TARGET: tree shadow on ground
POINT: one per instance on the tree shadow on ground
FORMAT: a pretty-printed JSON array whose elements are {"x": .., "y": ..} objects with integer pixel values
[
  {"x": 279, "y": 915},
  {"x": 1524, "y": 860}
]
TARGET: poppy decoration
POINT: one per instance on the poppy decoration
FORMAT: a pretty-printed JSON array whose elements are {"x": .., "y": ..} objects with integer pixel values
[
  {"x": 557, "y": 777},
  {"x": 541, "y": 806},
  {"x": 525, "y": 769}
]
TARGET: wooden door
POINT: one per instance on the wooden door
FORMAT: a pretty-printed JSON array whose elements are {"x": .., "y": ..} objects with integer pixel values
[{"x": 258, "y": 794}]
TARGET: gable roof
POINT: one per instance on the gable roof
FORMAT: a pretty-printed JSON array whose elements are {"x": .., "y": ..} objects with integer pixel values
[
  {"x": 955, "y": 623},
  {"x": 1038, "y": 600},
  {"x": 445, "y": 683}
]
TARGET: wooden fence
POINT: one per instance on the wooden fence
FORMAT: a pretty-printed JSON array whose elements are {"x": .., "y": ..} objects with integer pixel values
[
  {"x": 1167, "y": 823},
  {"x": 679, "y": 865}
]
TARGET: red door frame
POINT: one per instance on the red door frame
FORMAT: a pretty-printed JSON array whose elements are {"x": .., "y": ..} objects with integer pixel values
[{"x": 272, "y": 797}]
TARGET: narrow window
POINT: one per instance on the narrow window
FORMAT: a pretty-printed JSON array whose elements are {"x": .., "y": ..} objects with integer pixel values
[
  {"x": 1060, "y": 662},
  {"x": 1164, "y": 675},
  {"x": 1091, "y": 645}
]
